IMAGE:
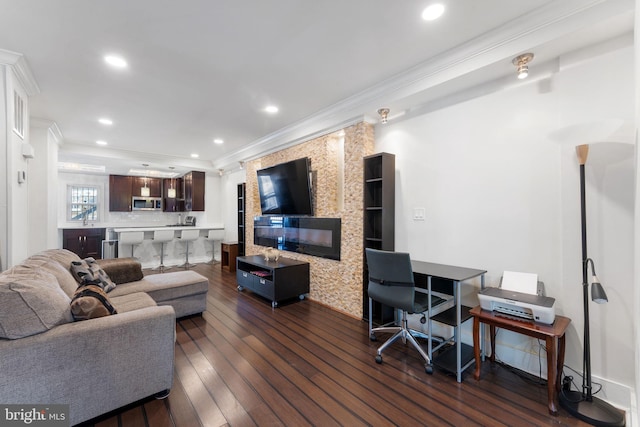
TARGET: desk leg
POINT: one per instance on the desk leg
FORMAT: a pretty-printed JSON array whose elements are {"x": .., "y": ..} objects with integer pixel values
[
  {"x": 561, "y": 347},
  {"x": 476, "y": 346},
  {"x": 492, "y": 338},
  {"x": 552, "y": 374}
]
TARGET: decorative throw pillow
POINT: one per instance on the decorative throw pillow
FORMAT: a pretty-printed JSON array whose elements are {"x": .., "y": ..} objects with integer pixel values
[
  {"x": 87, "y": 271},
  {"x": 31, "y": 303},
  {"x": 89, "y": 302}
]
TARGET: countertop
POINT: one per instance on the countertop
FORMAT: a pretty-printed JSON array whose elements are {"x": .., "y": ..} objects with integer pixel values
[{"x": 166, "y": 227}]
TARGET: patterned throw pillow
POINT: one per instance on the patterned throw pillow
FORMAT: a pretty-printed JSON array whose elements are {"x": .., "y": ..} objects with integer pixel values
[
  {"x": 89, "y": 302},
  {"x": 87, "y": 271}
]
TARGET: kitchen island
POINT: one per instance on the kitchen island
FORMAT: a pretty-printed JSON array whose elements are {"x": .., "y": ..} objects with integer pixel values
[{"x": 148, "y": 252}]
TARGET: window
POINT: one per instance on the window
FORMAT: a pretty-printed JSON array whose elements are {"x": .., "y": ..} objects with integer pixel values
[{"x": 83, "y": 203}]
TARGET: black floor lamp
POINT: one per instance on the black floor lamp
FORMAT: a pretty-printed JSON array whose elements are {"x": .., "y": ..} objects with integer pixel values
[{"x": 582, "y": 404}]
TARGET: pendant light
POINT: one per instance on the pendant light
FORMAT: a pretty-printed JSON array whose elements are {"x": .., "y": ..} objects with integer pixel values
[
  {"x": 145, "y": 191},
  {"x": 171, "y": 192}
]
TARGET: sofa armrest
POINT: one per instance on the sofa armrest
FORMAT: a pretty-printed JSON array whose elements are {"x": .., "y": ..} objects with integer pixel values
[
  {"x": 122, "y": 270},
  {"x": 95, "y": 366}
]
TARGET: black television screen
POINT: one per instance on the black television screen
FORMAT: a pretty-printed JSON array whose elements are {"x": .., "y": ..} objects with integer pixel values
[{"x": 285, "y": 189}]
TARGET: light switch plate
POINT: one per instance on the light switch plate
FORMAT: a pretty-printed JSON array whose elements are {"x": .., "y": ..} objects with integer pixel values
[{"x": 419, "y": 214}]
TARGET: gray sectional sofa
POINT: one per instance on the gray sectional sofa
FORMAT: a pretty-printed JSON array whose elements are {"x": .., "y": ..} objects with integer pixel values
[{"x": 95, "y": 365}]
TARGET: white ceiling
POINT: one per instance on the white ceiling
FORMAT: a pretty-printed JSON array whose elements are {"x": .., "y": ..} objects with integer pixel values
[{"x": 203, "y": 69}]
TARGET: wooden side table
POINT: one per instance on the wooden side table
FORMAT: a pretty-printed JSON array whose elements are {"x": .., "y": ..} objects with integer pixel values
[
  {"x": 553, "y": 335},
  {"x": 228, "y": 255}
]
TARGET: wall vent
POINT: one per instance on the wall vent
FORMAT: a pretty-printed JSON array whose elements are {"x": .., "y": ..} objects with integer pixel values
[{"x": 18, "y": 114}]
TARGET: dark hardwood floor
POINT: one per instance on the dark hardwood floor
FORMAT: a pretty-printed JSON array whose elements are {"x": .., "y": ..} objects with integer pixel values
[{"x": 243, "y": 364}]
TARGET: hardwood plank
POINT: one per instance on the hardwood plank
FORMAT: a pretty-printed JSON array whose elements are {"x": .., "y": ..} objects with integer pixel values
[
  {"x": 157, "y": 414},
  {"x": 182, "y": 411},
  {"x": 206, "y": 408},
  {"x": 133, "y": 417},
  {"x": 230, "y": 408}
]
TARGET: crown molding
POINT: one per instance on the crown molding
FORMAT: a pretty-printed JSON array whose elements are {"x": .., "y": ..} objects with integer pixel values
[
  {"x": 21, "y": 69},
  {"x": 52, "y": 128},
  {"x": 543, "y": 25}
]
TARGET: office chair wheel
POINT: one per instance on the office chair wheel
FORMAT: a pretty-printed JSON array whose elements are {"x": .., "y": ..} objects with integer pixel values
[
  {"x": 378, "y": 359},
  {"x": 373, "y": 338},
  {"x": 423, "y": 319},
  {"x": 428, "y": 369},
  {"x": 240, "y": 288}
]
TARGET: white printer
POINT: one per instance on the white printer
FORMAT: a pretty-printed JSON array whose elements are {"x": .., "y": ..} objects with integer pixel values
[{"x": 507, "y": 300}]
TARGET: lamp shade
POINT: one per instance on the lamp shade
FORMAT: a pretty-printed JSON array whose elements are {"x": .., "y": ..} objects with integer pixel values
[{"x": 598, "y": 295}]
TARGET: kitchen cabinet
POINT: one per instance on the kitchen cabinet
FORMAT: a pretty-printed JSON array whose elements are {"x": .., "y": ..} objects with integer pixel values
[
  {"x": 85, "y": 242},
  {"x": 154, "y": 185},
  {"x": 173, "y": 204},
  {"x": 120, "y": 193},
  {"x": 194, "y": 191}
]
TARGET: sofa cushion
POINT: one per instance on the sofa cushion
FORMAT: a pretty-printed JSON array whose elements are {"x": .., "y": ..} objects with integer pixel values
[
  {"x": 61, "y": 256},
  {"x": 131, "y": 302},
  {"x": 30, "y": 303},
  {"x": 166, "y": 286},
  {"x": 89, "y": 302},
  {"x": 87, "y": 271},
  {"x": 40, "y": 262},
  {"x": 122, "y": 270}
]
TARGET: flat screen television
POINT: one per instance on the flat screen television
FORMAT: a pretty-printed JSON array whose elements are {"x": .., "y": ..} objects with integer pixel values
[{"x": 285, "y": 189}]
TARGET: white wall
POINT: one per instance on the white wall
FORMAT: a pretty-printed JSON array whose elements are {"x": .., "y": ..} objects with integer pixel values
[
  {"x": 17, "y": 194},
  {"x": 43, "y": 184},
  {"x": 499, "y": 182}
]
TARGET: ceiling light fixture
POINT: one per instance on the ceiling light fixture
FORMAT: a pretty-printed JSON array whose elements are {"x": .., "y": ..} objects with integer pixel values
[
  {"x": 241, "y": 164},
  {"x": 521, "y": 62},
  {"x": 271, "y": 109},
  {"x": 105, "y": 121},
  {"x": 115, "y": 61},
  {"x": 433, "y": 12},
  {"x": 220, "y": 172},
  {"x": 384, "y": 115},
  {"x": 100, "y": 142},
  {"x": 195, "y": 156},
  {"x": 218, "y": 141}
]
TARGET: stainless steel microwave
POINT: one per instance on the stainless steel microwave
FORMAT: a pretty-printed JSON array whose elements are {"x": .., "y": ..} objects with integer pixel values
[{"x": 146, "y": 203}]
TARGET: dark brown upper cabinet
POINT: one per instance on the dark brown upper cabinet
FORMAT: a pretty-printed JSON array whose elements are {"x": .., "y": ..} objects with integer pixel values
[
  {"x": 154, "y": 185},
  {"x": 194, "y": 191},
  {"x": 120, "y": 193}
]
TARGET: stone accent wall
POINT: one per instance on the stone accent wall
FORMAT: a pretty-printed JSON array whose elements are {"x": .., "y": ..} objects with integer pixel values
[{"x": 337, "y": 168}]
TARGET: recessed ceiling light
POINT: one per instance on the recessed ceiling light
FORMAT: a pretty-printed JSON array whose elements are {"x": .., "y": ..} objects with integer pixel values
[
  {"x": 218, "y": 141},
  {"x": 195, "y": 156},
  {"x": 105, "y": 121},
  {"x": 272, "y": 109},
  {"x": 433, "y": 12},
  {"x": 115, "y": 61},
  {"x": 100, "y": 142}
]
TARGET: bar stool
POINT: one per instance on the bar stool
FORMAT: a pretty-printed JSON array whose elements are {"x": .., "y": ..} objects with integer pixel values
[
  {"x": 132, "y": 238},
  {"x": 162, "y": 237},
  {"x": 188, "y": 236},
  {"x": 215, "y": 236}
]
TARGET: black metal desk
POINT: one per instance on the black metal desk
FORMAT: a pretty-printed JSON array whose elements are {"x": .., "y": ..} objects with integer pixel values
[{"x": 462, "y": 353}]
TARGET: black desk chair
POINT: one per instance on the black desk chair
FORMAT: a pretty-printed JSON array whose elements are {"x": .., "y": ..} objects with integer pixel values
[{"x": 391, "y": 283}]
